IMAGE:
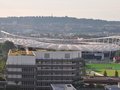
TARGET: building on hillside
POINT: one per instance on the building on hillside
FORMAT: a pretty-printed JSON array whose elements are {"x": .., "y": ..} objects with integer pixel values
[{"x": 37, "y": 70}]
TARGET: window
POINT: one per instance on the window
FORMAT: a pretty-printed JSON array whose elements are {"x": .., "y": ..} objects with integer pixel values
[
  {"x": 14, "y": 69},
  {"x": 28, "y": 69},
  {"x": 79, "y": 55},
  {"x": 46, "y": 67},
  {"x": 14, "y": 76},
  {"x": 27, "y": 76},
  {"x": 46, "y": 55},
  {"x": 28, "y": 83},
  {"x": 67, "y": 55}
]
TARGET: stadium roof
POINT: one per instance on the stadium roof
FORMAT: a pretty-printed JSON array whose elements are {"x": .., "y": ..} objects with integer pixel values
[{"x": 58, "y": 45}]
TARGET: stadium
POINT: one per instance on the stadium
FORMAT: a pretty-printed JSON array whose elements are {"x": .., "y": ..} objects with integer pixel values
[{"x": 93, "y": 48}]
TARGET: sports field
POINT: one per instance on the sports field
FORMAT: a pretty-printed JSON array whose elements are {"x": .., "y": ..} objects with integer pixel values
[{"x": 100, "y": 68}]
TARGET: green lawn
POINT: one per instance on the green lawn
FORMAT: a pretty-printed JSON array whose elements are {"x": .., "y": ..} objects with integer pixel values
[
  {"x": 100, "y": 68},
  {"x": 109, "y": 72}
]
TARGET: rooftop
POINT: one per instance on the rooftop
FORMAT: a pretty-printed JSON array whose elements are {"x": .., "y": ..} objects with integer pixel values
[
  {"x": 112, "y": 87},
  {"x": 44, "y": 50},
  {"x": 20, "y": 52},
  {"x": 92, "y": 44},
  {"x": 62, "y": 87}
]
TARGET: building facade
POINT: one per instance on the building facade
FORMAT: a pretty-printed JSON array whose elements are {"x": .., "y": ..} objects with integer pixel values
[{"x": 37, "y": 70}]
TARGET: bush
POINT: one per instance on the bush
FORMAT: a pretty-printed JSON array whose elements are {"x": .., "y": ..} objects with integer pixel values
[
  {"x": 116, "y": 73},
  {"x": 105, "y": 73}
]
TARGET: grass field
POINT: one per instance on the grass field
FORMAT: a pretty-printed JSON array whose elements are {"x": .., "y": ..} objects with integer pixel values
[
  {"x": 109, "y": 72},
  {"x": 100, "y": 68}
]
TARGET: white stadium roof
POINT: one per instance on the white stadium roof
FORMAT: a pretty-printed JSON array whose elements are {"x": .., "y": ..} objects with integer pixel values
[{"x": 57, "y": 45}]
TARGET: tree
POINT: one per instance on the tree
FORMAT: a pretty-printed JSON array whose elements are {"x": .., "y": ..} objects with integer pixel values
[
  {"x": 78, "y": 82},
  {"x": 7, "y": 45},
  {"x": 105, "y": 73},
  {"x": 116, "y": 73}
]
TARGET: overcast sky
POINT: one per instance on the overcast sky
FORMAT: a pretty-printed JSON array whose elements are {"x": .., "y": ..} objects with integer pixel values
[{"x": 97, "y": 9}]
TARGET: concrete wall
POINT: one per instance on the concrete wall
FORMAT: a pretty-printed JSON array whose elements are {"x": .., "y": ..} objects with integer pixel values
[
  {"x": 21, "y": 60},
  {"x": 57, "y": 54}
]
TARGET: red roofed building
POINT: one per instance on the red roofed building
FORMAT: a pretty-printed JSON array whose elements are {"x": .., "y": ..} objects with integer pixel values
[{"x": 116, "y": 59}]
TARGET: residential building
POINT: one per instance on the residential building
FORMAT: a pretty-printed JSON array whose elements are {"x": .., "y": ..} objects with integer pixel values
[{"x": 37, "y": 70}]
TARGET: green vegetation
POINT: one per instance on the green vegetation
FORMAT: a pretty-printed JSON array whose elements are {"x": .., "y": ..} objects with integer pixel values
[
  {"x": 116, "y": 73},
  {"x": 110, "y": 72},
  {"x": 113, "y": 66},
  {"x": 78, "y": 83},
  {"x": 105, "y": 73},
  {"x": 111, "y": 69},
  {"x": 2, "y": 64},
  {"x": 4, "y": 48}
]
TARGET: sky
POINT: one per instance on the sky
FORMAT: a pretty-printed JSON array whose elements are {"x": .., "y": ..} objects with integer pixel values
[{"x": 96, "y": 9}]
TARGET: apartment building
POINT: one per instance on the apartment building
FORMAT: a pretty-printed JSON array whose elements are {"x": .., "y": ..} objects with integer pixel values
[{"x": 37, "y": 70}]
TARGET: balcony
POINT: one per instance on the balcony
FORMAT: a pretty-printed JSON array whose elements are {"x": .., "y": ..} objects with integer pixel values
[
  {"x": 68, "y": 65},
  {"x": 55, "y": 75},
  {"x": 52, "y": 81}
]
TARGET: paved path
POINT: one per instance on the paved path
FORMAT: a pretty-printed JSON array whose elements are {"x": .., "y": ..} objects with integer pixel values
[{"x": 93, "y": 72}]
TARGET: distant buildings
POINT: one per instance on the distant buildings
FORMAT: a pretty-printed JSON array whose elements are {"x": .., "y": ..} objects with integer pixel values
[{"x": 37, "y": 70}]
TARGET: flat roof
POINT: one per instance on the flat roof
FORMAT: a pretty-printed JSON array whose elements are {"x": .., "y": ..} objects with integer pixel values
[
  {"x": 61, "y": 86},
  {"x": 20, "y": 52}
]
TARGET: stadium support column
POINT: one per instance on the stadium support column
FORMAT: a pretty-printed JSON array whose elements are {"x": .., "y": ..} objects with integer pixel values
[
  {"x": 108, "y": 40},
  {"x": 109, "y": 54},
  {"x": 97, "y": 40},
  {"x": 26, "y": 49},
  {"x": 103, "y": 41},
  {"x": 102, "y": 56},
  {"x": 118, "y": 42},
  {"x": 112, "y": 40}
]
